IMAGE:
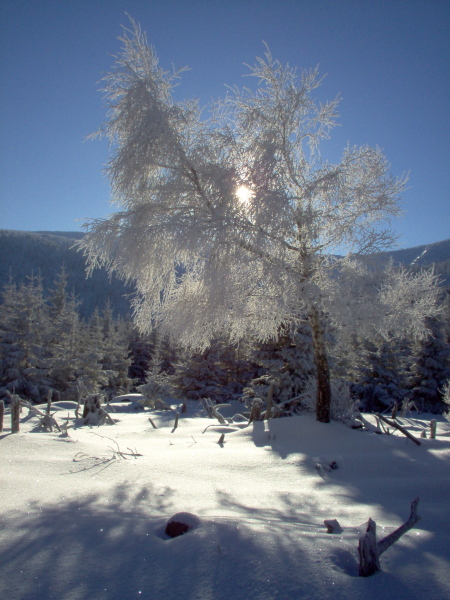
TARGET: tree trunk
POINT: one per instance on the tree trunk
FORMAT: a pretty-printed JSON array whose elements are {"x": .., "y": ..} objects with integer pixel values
[{"x": 323, "y": 399}]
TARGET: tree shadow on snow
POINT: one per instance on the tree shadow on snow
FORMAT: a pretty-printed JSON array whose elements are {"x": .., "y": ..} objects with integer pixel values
[{"x": 109, "y": 547}]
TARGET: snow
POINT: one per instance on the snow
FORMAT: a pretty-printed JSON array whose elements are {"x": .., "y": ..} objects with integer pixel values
[{"x": 83, "y": 517}]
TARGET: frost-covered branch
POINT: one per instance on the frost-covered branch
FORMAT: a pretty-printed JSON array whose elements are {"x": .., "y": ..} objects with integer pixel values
[{"x": 204, "y": 259}]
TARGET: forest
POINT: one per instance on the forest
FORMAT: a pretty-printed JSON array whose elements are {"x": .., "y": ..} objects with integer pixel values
[{"x": 48, "y": 342}]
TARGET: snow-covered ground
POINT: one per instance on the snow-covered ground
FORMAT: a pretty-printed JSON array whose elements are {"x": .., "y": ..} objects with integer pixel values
[{"x": 80, "y": 521}]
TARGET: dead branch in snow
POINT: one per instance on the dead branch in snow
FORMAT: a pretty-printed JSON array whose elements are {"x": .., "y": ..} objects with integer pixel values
[
  {"x": 370, "y": 551},
  {"x": 46, "y": 420},
  {"x": 93, "y": 413},
  {"x": 400, "y": 428}
]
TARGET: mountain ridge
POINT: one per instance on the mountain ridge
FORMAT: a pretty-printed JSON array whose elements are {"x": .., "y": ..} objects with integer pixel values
[{"x": 23, "y": 253}]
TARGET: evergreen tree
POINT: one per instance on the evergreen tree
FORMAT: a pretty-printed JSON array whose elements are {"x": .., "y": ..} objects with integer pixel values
[
  {"x": 115, "y": 360},
  {"x": 202, "y": 375},
  {"x": 23, "y": 340},
  {"x": 431, "y": 369},
  {"x": 287, "y": 364},
  {"x": 65, "y": 328},
  {"x": 90, "y": 350},
  {"x": 381, "y": 376}
]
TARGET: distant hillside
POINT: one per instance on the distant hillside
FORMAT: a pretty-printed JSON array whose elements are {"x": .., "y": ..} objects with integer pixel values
[
  {"x": 23, "y": 253},
  {"x": 437, "y": 255}
]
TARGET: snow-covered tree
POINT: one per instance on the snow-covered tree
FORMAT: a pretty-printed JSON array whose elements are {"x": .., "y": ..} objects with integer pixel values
[
  {"x": 286, "y": 364},
  {"x": 214, "y": 373},
  {"x": 227, "y": 223},
  {"x": 115, "y": 360},
  {"x": 64, "y": 333},
  {"x": 381, "y": 378},
  {"x": 431, "y": 369},
  {"x": 24, "y": 330}
]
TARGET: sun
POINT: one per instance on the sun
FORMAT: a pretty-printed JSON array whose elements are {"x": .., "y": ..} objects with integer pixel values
[{"x": 244, "y": 194}]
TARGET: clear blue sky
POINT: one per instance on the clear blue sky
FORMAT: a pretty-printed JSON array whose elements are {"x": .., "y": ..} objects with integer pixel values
[{"x": 390, "y": 62}]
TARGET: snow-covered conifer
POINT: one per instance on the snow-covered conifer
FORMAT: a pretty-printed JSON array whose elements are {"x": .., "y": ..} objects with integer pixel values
[
  {"x": 212, "y": 373},
  {"x": 23, "y": 336},
  {"x": 287, "y": 364},
  {"x": 381, "y": 380},
  {"x": 431, "y": 369},
  {"x": 115, "y": 360}
]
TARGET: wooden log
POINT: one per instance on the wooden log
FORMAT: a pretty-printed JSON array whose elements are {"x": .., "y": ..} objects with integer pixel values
[
  {"x": 333, "y": 526},
  {"x": 269, "y": 402},
  {"x": 400, "y": 428},
  {"x": 2, "y": 414},
  {"x": 49, "y": 401},
  {"x": 15, "y": 414},
  {"x": 177, "y": 414},
  {"x": 433, "y": 426}
]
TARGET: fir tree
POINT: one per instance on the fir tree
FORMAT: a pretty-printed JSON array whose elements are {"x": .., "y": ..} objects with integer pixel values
[
  {"x": 23, "y": 339},
  {"x": 287, "y": 364},
  {"x": 431, "y": 369},
  {"x": 381, "y": 377}
]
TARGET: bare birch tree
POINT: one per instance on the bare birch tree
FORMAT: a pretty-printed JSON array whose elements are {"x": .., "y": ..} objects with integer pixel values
[{"x": 227, "y": 221}]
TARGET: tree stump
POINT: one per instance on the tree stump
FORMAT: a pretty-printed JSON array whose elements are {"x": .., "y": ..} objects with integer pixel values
[
  {"x": 370, "y": 551},
  {"x": 181, "y": 523},
  {"x": 93, "y": 413},
  {"x": 369, "y": 558},
  {"x": 255, "y": 413}
]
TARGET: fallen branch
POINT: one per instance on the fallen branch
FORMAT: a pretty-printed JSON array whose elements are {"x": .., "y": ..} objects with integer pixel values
[
  {"x": 46, "y": 420},
  {"x": 370, "y": 551},
  {"x": 400, "y": 428}
]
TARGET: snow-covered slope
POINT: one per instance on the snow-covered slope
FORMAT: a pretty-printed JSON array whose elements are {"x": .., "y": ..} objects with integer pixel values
[{"x": 81, "y": 521}]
